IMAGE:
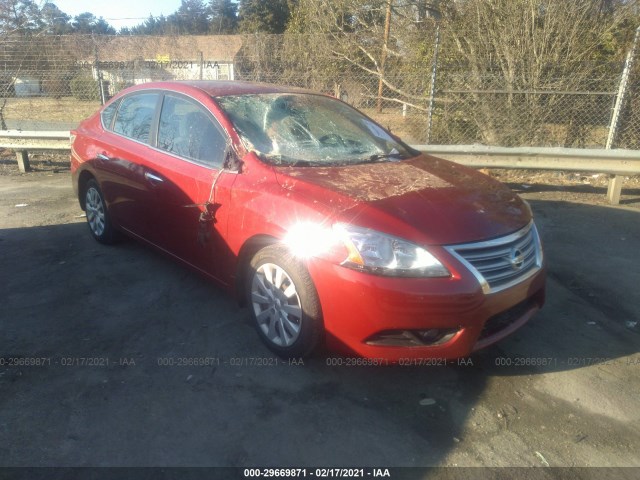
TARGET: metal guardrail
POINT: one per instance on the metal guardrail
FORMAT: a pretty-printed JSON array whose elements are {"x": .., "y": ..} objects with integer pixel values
[
  {"x": 615, "y": 162},
  {"x": 23, "y": 142}
]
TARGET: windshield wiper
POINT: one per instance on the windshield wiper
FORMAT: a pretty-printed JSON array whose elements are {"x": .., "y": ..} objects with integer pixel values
[
  {"x": 376, "y": 157},
  {"x": 305, "y": 163}
]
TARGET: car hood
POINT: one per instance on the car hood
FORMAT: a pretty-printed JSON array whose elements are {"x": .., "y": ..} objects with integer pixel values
[{"x": 443, "y": 202}]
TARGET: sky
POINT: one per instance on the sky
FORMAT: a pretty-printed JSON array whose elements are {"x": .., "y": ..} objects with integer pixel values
[{"x": 119, "y": 13}]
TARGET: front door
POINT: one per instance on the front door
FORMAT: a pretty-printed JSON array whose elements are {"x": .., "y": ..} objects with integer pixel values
[{"x": 190, "y": 215}]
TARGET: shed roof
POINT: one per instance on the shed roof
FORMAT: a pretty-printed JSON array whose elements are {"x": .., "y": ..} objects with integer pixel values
[{"x": 185, "y": 47}]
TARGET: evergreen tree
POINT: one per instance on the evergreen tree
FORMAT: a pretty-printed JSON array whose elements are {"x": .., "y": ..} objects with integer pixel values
[
  {"x": 264, "y": 16},
  {"x": 192, "y": 18},
  {"x": 88, "y": 23},
  {"x": 19, "y": 16},
  {"x": 54, "y": 20},
  {"x": 224, "y": 18},
  {"x": 152, "y": 26}
]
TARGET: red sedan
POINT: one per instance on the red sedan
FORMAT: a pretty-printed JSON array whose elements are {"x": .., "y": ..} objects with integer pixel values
[{"x": 324, "y": 224}]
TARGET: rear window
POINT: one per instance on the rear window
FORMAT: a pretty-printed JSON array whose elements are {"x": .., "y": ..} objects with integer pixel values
[
  {"x": 135, "y": 116},
  {"x": 107, "y": 115}
]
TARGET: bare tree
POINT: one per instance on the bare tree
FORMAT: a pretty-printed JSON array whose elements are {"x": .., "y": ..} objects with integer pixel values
[
  {"x": 516, "y": 47},
  {"x": 495, "y": 53},
  {"x": 380, "y": 38}
]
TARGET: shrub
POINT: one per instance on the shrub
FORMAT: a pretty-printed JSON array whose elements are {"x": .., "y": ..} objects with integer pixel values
[
  {"x": 85, "y": 88},
  {"x": 56, "y": 85}
]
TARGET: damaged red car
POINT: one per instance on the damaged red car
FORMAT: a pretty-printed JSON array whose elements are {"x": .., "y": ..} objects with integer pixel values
[{"x": 327, "y": 227}]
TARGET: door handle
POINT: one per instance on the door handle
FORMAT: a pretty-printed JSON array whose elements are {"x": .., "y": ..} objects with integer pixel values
[
  {"x": 102, "y": 156},
  {"x": 153, "y": 178}
]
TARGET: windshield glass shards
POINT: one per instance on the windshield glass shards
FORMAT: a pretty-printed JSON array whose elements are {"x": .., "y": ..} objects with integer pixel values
[{"x": 309, "y": 130}]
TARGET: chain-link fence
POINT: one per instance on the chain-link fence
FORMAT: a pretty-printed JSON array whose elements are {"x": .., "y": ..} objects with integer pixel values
[
  {"x": 496, "y": 115},
  {"x": 50, "y": 83}
]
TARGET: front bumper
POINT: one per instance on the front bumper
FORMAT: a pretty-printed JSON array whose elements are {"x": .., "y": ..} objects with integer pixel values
[{"x": 358, "y": 306}]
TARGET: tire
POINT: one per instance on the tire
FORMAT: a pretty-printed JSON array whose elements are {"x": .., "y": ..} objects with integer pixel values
[
  {"x": 97, "y": 214},
  {"x": 284, "y": 303}
]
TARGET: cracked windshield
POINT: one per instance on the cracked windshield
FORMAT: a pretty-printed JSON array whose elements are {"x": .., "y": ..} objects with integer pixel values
[{"x": 309, "y": 130}]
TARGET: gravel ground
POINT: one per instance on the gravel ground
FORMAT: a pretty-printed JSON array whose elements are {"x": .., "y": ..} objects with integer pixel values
[{"x": 561, "y": 392}]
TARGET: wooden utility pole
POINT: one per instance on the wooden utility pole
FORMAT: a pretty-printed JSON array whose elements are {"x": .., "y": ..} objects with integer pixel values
[{"x": 383, "y": 57}]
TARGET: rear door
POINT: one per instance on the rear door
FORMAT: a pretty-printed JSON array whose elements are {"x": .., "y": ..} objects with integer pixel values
[{"x": 121, "y": 155}]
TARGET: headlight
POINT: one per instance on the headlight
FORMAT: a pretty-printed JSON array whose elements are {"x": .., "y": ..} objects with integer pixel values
[
  {"x": 387, "y": 255},
  {"x": 364, "y": 249}
]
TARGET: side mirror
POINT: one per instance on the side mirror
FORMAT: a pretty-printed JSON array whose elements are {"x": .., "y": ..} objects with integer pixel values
[{"x": 231, "y": 161}]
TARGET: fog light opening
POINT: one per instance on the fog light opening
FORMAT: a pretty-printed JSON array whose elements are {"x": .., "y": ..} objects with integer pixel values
[
  {"x": 436, "y": 336},
  {"x": 412, "y": 338}
]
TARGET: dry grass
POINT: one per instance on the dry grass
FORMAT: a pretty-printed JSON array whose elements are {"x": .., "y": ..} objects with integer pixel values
[
  {"x": 49, "y": 109},
  {"x": 411, "y": 128},
  {"x": 588, "y": 137}
]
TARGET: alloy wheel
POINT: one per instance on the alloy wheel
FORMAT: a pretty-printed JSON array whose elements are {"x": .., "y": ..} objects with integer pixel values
[
  {"x": 95, "y": 211},
  {"x": 276, "y": 304}
]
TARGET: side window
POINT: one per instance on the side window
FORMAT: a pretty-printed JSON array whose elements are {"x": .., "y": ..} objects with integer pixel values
[
  {"x": 188, "y": 131},
  {"x": 135, "y": 116},
  {"x": 107, "y": 115}
]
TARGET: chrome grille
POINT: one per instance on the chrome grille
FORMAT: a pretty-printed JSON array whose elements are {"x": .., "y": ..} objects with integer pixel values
[{"x": 502, "y": 262}]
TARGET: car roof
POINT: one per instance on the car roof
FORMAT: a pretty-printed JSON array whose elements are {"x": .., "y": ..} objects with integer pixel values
[{"x": 218, "y": 88}]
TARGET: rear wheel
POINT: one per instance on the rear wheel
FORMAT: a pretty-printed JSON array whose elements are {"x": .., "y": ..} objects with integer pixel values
[
  {"x": 97, "y": 214},
  {"x": 284, "y": 303}
]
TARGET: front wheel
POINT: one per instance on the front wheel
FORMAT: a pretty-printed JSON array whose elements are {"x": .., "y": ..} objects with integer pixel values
[
  {"x": 97, "y": 214},
  {"x": 284, "y": 303}
]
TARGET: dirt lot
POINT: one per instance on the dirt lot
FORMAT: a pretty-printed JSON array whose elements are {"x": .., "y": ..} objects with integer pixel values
[{"x": 563, "y": 391}]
